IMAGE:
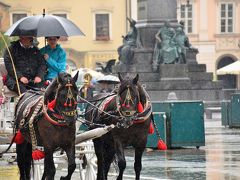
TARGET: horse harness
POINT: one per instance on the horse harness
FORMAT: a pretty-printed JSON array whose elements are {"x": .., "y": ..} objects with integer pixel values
[
  {"x": 34, "y": 102},
  {"x": 137, "y": 117}
]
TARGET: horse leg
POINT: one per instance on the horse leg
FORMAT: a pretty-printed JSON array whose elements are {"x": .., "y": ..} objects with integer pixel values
[
  {"x": 49, "y": 168},
  {"x": 71, "y": 162},
  {"x": 138, "y": 162},
  {"x": 108, "y": 156},
  {"x": 98, "y": 146},
  {"x": 121, "y": 159},
  {"x": 24, "y": 158}
]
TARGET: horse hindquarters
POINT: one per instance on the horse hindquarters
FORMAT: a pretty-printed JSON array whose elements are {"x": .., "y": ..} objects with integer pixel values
[{"x": 24, "y": 159}]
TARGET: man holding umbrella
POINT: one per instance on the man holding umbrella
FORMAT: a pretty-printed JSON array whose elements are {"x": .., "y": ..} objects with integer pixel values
[{"x": 28, "y": 62}]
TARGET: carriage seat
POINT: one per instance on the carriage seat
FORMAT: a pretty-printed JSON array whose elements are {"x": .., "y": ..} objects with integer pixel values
[{"x": 4, "y": 91}]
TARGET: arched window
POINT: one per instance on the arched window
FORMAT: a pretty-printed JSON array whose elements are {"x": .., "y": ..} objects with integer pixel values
[{"x": 229, "y": 81}]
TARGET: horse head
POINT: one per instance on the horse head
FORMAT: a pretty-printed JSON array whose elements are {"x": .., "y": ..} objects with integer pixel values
[
  {"x": 61, "y": 97},
  {"x": 128, "y": 97}
]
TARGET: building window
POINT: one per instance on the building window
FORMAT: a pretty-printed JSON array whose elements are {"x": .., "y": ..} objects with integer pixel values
[
  {"x": 61, "y": 15},
  {"x": 102, "y": 27},
  {"x": 186, "y": 16},
  {"x": 18, "y": 16},
  {"x": 226, "y": 20}
]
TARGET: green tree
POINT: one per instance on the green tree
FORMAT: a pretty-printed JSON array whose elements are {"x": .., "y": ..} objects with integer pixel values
[{"x": 2, "y": 44}]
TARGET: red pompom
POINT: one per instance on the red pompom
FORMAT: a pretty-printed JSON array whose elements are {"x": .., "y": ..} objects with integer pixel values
[
  {"x": 123, "y": 105},
  {"x": 46, "y": 83},
  {"x": 140, "y": 107},
  {"x": 151, "y": 129},
  {"x": 52, "y": 104},
  {"x": 19, "y": 138},
  {"x": 65, "y": 104},
  {"x": 37, "y": 154},
  {"x": 161, "y": 145}
]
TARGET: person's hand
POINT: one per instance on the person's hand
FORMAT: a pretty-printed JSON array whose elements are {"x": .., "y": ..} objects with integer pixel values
[
  {"x": 37, "y": 79},
  {"x": 46, "y": 56},
  {"x": 24, "y": 80}
]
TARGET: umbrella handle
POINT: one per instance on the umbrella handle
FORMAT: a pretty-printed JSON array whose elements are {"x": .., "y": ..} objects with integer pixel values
[{"x": 13, "y": 65}]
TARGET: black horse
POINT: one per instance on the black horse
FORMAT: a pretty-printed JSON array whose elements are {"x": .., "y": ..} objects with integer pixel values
[
  {"x": 130, "y": 109},
  {"x": 47, "y": 120}
]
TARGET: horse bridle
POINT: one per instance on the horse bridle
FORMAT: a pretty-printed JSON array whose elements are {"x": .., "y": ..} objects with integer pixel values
[
  {"x": 69, "y": 98},
  {"x": 126, "y": 103},
  {"x": 56, "y": 118}
]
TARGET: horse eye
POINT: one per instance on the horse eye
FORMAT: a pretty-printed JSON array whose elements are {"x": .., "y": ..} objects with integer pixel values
[{"x": 117, "y": 87}]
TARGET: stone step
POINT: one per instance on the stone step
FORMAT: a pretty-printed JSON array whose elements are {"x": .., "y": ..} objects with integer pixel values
[
  {"x": 196, "y": 67},
  {"x": 197, "y": 76},
  {"x": 205, "y": 95},
  {"x": 168, "y": 85},
  {"x": 134, "y": 68}
]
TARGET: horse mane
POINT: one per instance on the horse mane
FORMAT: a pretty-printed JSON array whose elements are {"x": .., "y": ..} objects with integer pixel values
[
  {"x": 49, "y": 90},
  {"x": 143, "y": 96}
]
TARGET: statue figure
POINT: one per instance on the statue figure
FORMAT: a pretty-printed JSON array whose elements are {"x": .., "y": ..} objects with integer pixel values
[
  {"x": 182, "y": 43},
  {"x": 125, "y": 51},
  {"x": 165, "y": 51}
]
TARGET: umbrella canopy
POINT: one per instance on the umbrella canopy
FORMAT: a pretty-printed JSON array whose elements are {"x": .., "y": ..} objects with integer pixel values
[
  {"x": 109, "y": 79},
  {"x": 82, "y": 71},
  {"x": 233, "y": 68},
  {"x": 44, "y": 26}
]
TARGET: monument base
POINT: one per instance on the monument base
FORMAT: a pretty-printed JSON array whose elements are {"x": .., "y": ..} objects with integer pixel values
[{"x": 189, "y": 81}]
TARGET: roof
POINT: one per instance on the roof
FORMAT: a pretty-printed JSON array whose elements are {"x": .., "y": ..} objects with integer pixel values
[{"x": 3, "y": 4}]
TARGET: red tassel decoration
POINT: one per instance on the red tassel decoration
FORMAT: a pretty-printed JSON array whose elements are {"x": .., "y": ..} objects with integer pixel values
[
  {"x": 19, "y": 138},
  {"x": 151, "y": 129},
  {"x": 123, "y": 105},
  {"x": 52, "y": 104},
  {"x": 37, "y": 154},
  {"x": 65, "y": 104},
  {"x": 161, "y": 145},
  {"x": 140, "y": 107}
]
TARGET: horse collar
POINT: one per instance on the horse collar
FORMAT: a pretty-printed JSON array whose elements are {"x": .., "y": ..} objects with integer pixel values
[{"x": 53, "y": 118}]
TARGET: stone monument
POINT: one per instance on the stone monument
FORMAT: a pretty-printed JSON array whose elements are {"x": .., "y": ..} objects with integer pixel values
[{"x": 188, "y": 79}]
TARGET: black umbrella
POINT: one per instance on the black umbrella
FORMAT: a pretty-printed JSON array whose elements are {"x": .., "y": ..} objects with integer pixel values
[{"x": 44, "y": 26}]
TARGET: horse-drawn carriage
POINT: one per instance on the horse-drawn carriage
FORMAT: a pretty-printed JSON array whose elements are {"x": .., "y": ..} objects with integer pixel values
[{"x": 45, "y": 122}]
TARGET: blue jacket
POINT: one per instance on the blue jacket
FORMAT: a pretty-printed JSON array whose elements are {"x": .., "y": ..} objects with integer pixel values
[{"x": 56, "y": 62}]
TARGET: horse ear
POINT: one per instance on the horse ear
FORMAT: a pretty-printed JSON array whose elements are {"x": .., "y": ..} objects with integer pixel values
[
  {"x": 135, "y": 80},
  {"x": 50, "y": 89},
  {"x": 120, "y": 77},
  {"x": 75, "y": 77}
]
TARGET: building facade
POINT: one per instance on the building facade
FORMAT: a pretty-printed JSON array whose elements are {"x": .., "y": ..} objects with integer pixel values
[
  {"x": 213, "y": 27},
  {"x": 103, "y": 23}
]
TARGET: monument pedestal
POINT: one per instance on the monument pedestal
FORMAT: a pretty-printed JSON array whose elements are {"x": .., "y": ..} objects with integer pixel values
[{"x": 189, "y": 81}]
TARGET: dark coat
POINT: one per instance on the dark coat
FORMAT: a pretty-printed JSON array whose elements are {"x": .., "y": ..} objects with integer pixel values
[{"x": 28, "y": 62}]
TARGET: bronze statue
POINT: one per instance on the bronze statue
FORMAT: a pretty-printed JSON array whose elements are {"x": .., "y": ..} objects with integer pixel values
[
  {"x": 171, "y": 46},
  {"x": 165, "y": 51},
  {"x": 125, "y": 51}
]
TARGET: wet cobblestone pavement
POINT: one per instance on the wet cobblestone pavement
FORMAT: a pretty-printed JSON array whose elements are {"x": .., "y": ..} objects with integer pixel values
[{"x": 219, "y": 159}]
